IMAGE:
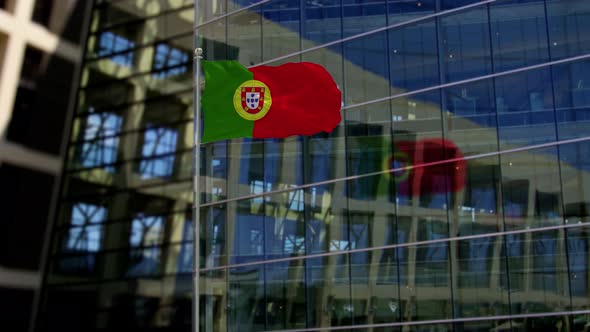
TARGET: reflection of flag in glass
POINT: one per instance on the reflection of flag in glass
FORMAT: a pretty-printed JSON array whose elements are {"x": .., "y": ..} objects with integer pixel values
[{"x": 427, "y": 173}]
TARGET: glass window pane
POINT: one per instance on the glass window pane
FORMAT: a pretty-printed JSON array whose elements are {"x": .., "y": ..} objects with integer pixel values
[
  {"x": 519, "y": 34},
  {"x": 246, "y": 302},
  {"x": 110, "y": 43},
  {"x": 369, "y": 145},
  {"x": 533, "y": 271},
  {"x": 413, "y": 57},
  {"x": 157, "y": 153},
  {"x": 568, "y": 21},
  {"x": 471, "y": 117},
  {"x": 427, "y": 295},
  {"x": 365, "y": 69},
  {"x": 479, "y": 275},
  {"x": 321, "y": 23},
  {"x": 169, "y": 61},
  {"x": 465, "y": 44},
  {"x": 84, "y": 236},
  {"x": 100, "y": 141},
  {"x": 530, "y": 107},
  {"x": 363, "y": 15},
  {"x": 572, "y": 98},
  {"x": 403, "y": 10},
  {"x": 280, "y": 28},
  {"x": 244, "y": 31},
  {"x": 285, "y": 305},
  {"x": 531, "y": 189}
]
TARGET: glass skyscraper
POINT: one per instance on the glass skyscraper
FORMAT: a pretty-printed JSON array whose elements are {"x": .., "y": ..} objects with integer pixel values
[{"x": 480, "y": 108}]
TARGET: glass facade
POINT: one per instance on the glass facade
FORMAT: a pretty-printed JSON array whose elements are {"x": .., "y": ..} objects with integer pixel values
[{"x": 479, "y": 108}]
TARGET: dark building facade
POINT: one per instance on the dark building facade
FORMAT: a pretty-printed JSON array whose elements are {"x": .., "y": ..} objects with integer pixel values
[
  {"x": 40, "y": 55},
  {"x": 481, "y": 107}
]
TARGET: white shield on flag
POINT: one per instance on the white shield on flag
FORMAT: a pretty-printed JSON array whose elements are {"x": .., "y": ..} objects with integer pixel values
[{"x": 252, "y": 100}]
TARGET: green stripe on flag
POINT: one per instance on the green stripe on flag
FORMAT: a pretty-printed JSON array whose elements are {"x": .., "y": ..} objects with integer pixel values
[{"x": 222, "y": 78}]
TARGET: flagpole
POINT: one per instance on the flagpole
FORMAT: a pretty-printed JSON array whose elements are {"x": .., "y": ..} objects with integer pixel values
[{"x": 196, "y": 193}]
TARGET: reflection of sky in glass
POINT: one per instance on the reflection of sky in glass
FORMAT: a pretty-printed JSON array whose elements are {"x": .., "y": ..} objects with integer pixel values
[
  {"x": 294, "y": 244},
  {"x": 296, "y": 202},
  {"x": 86, "y": 231},
  {"x": 112, "y": 43},
  {"x": 158, "y": 141},
  {"x": 169, "y": 57},
  {"x": 258, "y": 187},
  {"x": 146, "y": 230},
  {"x": 100, "y": 147}
]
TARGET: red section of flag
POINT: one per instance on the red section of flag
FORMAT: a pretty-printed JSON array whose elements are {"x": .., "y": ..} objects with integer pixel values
[
  {"x": 305, "y": 100},
  {"x": 430, "y": 174}
]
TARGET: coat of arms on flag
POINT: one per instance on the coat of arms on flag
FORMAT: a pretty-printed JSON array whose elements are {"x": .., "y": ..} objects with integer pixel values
[{"x": 254, "y": 100}]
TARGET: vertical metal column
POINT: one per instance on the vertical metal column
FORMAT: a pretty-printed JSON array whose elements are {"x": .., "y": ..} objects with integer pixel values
[{"x": 197, "y": 168}]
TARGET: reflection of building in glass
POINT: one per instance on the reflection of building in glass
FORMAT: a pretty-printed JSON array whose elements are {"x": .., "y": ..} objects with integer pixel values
[{"x": 495, "y": 240}]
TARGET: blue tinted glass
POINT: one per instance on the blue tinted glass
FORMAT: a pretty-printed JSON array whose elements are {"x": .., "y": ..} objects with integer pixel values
[
  {"x": 475, "y": 262},
  {"x": 451, "y": 4},
  {"x": 545, "y": 253},
  {"x": 472, "y": 107},
  {"x": 572, "y": 98},
  {"x": 569, "y": 23},
  {"x": 360, "y": 230},
  {"x": 578, "y": 250},
  {"x": 362, "y": 15},
  {"x": 413, "y": 56},
  {"x": 403, "y": 10},
  {"x": 465, "y": 48},
  {"x": 236, "y": 4},
  {"x": 365, "y": 70},
  {"x": 519, "y": 34},
  {"x": 530, "y": 107},
  {"x": 248, "y": 241},
  {"x": 322, "y": 21}
]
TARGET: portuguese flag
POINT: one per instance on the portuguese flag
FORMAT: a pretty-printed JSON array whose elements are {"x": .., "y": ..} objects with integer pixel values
[{"x": 268, "y": 102}]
